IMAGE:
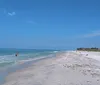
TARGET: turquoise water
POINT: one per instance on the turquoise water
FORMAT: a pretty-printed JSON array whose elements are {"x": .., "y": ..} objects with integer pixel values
[{"x": 8, "y": 58}]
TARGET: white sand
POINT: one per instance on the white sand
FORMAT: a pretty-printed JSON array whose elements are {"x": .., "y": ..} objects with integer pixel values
[{"x": 68, "y": 68}]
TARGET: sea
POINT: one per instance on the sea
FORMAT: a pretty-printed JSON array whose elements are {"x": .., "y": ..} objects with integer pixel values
[
  {"x": 9, "y": 62},
  {"x": 8, "y": 56}
]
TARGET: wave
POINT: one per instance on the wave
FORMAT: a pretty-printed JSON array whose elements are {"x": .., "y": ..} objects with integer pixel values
[
  {"x": 55, "y": 51},
  {"x": 6, "y": 63},
  {"x": 7, "y": 60}
]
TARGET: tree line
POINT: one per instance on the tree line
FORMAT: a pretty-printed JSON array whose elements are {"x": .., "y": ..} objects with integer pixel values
[{"x": 89, "y": 49}]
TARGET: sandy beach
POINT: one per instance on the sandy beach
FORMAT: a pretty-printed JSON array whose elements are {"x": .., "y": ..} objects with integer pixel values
[{"x": 67, "y": 68}]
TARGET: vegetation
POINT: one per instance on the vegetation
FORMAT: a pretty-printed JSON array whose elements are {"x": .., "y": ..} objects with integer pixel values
[{"x": 88, "y": 49}]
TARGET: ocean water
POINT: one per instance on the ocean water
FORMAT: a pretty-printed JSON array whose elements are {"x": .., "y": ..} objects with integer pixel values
[{"x": 8, "y": 58}]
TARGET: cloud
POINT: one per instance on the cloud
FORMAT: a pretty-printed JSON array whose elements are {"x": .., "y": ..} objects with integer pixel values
[
  {"x": 11, "y": 13},
  {"x": 92, "y": 34}
]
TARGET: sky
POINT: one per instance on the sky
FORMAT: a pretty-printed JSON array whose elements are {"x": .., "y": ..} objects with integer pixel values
[{"x": 49, "y": 24}]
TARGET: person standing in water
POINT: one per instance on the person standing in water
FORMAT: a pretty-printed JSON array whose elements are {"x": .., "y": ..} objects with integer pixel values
[{"x": 16, "y": 54}]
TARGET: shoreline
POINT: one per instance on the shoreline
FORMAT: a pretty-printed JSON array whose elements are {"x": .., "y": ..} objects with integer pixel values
[
  {"x": 67, "y": 68},
  {"x": 19, "y": 66}
]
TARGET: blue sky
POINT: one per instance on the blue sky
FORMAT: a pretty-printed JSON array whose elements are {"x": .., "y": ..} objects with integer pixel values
[{"x": 46, "y": 24}]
